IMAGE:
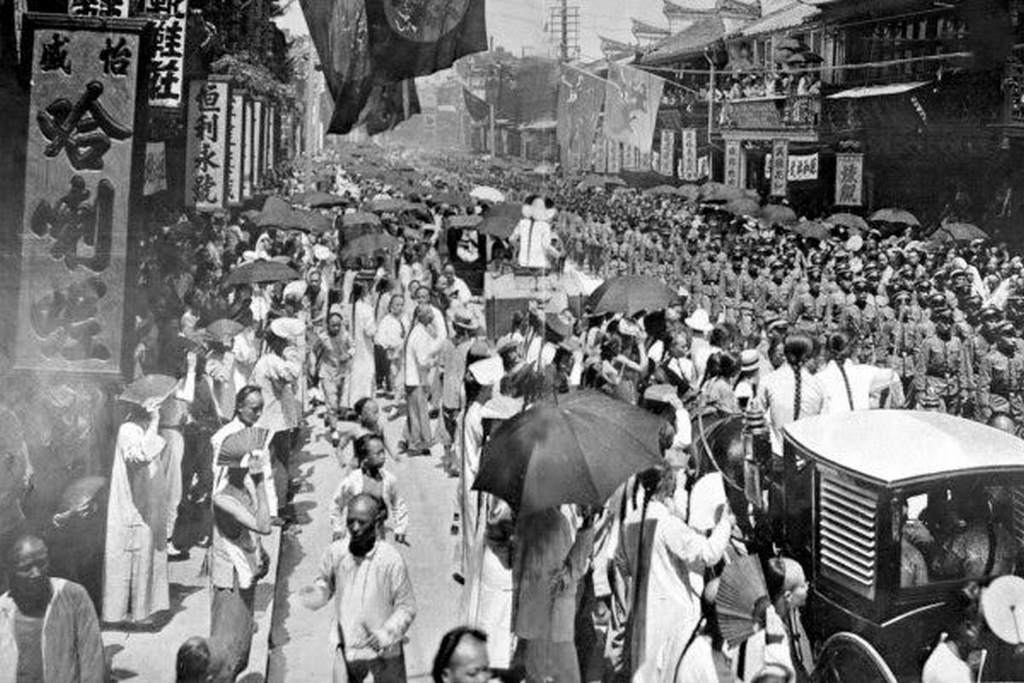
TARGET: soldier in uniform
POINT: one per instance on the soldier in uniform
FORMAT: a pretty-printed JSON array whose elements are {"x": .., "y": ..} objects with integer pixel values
[
  {"x": 941, "y": 363},
  {"x": 1000, "y": 376}
]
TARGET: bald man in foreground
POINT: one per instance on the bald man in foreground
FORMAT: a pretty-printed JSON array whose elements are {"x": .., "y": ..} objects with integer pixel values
[
  {"x": 49, "y": 632},
  {"x": 373, "y": 599}
]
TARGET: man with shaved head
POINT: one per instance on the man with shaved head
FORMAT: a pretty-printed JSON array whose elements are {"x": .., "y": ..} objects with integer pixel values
[
  {"x": 462, "y": 657},
  {"x": 373, "y": 599},
  {"x": 49, "y": 632}
]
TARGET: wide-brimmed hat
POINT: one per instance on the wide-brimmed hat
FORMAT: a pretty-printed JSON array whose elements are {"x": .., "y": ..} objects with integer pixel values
[
  {"x": 487, "y": 372},
  {"x": 287, "y": 328},
  {"x": 699, "y": 321},
  {"x": 750, "y": 360},
  {"x": 465, "y": 320}
]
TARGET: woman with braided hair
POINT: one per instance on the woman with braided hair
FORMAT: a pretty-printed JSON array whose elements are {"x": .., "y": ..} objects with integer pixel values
[
  {"x": 848, "y": 385},
  {"x": 791, "y": 392}
]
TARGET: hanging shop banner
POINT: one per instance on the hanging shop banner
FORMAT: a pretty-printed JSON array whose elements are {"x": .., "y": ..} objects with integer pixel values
[
  {"x": 703, "y": 167},
  {"x": 666, "y": 152},
  {"x": 580, "y": 98},
  {"x": 260, "y": 139},
  {"x": 156, "y": 168},
  {"x": 601, "y": 156},
  {"x": 688, "y": 156},
  {"x": 780, "y": 167},
  {"x": 632, "y": 97},
  {"x": 614, "y": 156},
  {"x": 249, "y": 150},
  {"x": 271, "y": 136},
  {"x": 644, "y": 161},
  {"x": 627, "y": 158},
  {"x": 84, "y": 178},
  {"x": 206, "y": 147},
  {"x": 802, "y": 167},
  {"x": 98, "y": 8},
  {"x": 167, "y": 69},
  {"x": 236, "y": 146},
  {"x": 732, "y": 163},
  {"x": 849, "y": 179}
]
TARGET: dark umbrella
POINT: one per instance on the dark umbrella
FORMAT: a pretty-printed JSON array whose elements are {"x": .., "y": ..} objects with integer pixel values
[
  {"x": 848, "y": 220},
  {"x": 810, "y": 229},
  {"x": 464, "y": 221},
  {"x": 388, "y": 206},
  {"x": 630, "y": 294},
  {"x": 319, "y": 199},
  {"x": 261, "y": 271},
  {"x": 895, "y": 216},
  {"x": 577, "y": 450},
  {"x": 276, "y": 213},
  {"x": 501, "y": 220},
  {"x": 961, "y": 232},
  {"x": 742, "y": 206},
  {"x": 368, "y": 245},
  {"x": 662, "y": 190},
  {"x": 359, "y": 218},
  {"x": 777, "y": 214}
]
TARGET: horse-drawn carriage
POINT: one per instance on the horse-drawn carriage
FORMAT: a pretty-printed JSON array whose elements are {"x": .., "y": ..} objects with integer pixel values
[{"x": 892, "y": 513}]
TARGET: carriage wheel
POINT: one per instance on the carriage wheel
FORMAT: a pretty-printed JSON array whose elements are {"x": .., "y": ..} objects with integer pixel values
[{"x": 848, "y": 658}]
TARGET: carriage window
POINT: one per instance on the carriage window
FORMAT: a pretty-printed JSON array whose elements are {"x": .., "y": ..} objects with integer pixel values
[{"x": 960, "y": 533}]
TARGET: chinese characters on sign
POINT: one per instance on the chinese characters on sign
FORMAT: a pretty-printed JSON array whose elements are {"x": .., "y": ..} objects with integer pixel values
[
  {"x": 236, "y": 147},
  {"x": 849, "y": 179},
  {"x": 601, "y": 156},
  {"x": 80, "y": 182},
  {"x": 259, "y": 158},
  {"x": 688, "y": 156},
  {"x": 249, "y": 149},
  {"x": 167, "y": 69},
  {"x": 98, "y": 8},
  {"x": 779, "y": 167},
  {"x": 667, "y": 152},
  {"x": 803, "y": 167},
  {"x": 206, "y": 146},
  {"x": 614, "y": 156},
  {"x": 732, "y": 163}
]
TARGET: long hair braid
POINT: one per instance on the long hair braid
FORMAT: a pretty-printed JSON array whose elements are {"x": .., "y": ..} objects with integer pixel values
[
  {"x": 797, "y": 349},
  {"x": 797, "y": 387},
  {"x": 839, "y": 350}
]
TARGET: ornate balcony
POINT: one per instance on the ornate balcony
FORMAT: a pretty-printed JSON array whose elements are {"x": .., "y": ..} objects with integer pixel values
[{"x": 778, "y": 113}]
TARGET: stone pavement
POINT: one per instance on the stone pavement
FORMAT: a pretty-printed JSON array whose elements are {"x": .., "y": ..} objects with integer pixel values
[
  {"x": 148, "y": 656},
  {"x": 300, "y": 638}
]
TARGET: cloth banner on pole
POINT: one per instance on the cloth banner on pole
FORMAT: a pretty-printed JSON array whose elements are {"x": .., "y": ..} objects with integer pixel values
[
  {"x": 802, "y": 167},
  {"x": 732, "y": 163},
  {"x": 236, "y": 147},
  {"x": 249, "y": 149},
  {"x": 849, "y": 179},
  {"x": 666, "y": 153},
  {"x": 601, "y": 155},
  {"x": 156, "y": 168},
  {"x": 257, "y": 158},
  {"x": 580, "y": 99},
  {"x": 614, "y": 155},
  {"x": 167, "y": 68},
  {"x": 703, "y": 167},
  {"x": 688, "y": 157},
  {"x": 84, "y": 177},
  {"x": 631, "y": 105},
  {"x": 779, "y": 167},
  {"x": 477, "y": 108},
  {"x": 206, "y": 145}
]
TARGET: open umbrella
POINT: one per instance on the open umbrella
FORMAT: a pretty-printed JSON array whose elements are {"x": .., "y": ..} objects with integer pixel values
[
  {"x": 388, "y": 206},
  {"x": 577, "y": 450},
  {"x": 311, "y": 221},
  {"x": 368, "y": 245},
  {"x": 961, "y": 232},
  {"x": 487, "y": 194},
  {"x": 777, "y": 214},
  {"x": 630, "y": 294},
  {"x": 453, "y": 198},
  {"x": 848, "y": 220},
  {"x": 359, "y": 218},
  {"x": 545, "y": 168},
  {"x": 691, "y": 192},
  {"x": 895, "y": 216},
  {"x": 811, "y": 229},
  {"x": 276, "y": 213},
  {"x": 501, "y": 219},
  {"x": 464, "y": 221},
  {"x": 319, "y": 199},
  {"x": 717, "y": 192},
  {"x": 662, "y": 190},
  {"x": 594, "y": 180},
  {"x": 742, "y": 206},
  {"x": 261, "y": 271}
]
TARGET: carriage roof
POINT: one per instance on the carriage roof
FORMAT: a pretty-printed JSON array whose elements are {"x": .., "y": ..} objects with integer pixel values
[{"x": 903, "y": 447}]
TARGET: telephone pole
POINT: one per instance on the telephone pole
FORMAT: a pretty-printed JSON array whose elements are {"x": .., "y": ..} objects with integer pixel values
[{"x": 564, "y": 28}]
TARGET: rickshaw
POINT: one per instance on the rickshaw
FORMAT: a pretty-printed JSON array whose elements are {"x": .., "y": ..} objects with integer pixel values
[{"x": 892, "y": 513}]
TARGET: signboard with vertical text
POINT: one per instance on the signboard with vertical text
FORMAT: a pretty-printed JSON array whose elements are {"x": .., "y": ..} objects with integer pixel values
[
  {"x": 206, "y": 147},
  {"x": 779, "y": 167},
  {"x": 732, "y": 163},
  {"x": 849, "y": 179},
  {"x": 666, "y": 152},
  {"x": 236, "y": 147},
  {"x": 167, "y": 69}
]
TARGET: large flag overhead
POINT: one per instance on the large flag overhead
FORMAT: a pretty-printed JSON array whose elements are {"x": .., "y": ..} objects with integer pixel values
[
  {"x": 631, "y": 104},
  {"x": 580, "y": 97},
  {"x": 477, "y": 108},
  {"x": 418, "y": 37},
  {"x": 389, "y": 104}
]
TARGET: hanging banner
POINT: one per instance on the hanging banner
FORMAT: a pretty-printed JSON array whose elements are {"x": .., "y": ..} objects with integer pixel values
[
  {"x": 601, "y": 156},
  {"x": 703, "y": 167},
  {"x": 644, "y": 161},
  {"x": 631, "y": 105},
  {"x": 236, "y": 147},
  {"x": 84, "y": 177},
  {"x": 167, "y": 68},
  {"x": 580, "y": 99},
  {"x": 666, "y": 152},
  {"x": 98, "y": 8},
  {"x": 688, "y": 156},
  {"x": 206, "y": 148},
  {"x": 260, "y": 140},
  {"x": 802, "y": 167},
  {"x": 614, "y": 156},
  {"x": 732, "y": 163},
  {"x": 156, "y": 168},
  {"x": 779, "y": 167},
  {"x": 249, "y": 150},
  {"x": 849, "y": 179},
  {"x": 272, "y": 138}
]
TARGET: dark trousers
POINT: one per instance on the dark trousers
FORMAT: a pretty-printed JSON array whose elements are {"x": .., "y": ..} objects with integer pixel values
[
  {"x": 231, "y": 628},
  {"x": 280, "y": 459}
]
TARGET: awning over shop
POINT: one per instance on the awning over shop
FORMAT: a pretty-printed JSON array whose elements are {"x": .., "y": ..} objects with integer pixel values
[
  {"x": 544, "y": 124},
  {"x": 788, "y": 17},
  {"x": 876, "y": 90}
]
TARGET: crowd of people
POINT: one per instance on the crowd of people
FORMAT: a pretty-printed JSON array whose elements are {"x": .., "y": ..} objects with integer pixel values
[{"x": 228, "y": 370}]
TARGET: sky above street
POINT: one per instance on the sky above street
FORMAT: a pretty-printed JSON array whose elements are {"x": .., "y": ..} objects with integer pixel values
[{"x": 519, "y": 24}]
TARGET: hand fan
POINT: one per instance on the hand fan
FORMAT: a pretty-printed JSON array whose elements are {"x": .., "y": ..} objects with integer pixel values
[
  {"x": 740, "y": 588},
  {"x": 242, "y": 442}
]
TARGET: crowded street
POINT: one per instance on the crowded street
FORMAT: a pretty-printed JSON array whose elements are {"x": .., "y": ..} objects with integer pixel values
[{"x": 451, "y": 341}]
